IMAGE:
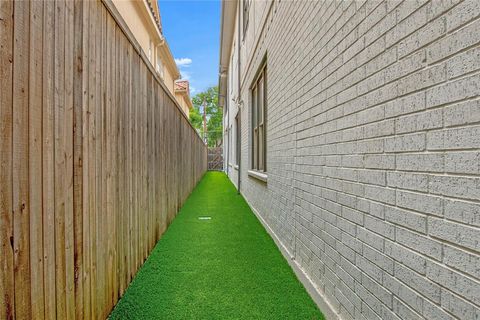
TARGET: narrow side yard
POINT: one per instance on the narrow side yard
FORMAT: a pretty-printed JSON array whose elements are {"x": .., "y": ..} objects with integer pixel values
[{"x": 216, "y": 261}]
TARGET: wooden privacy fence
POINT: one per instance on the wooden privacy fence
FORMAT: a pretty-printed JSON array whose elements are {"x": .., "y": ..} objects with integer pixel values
[{"x": 96, "y": 159}]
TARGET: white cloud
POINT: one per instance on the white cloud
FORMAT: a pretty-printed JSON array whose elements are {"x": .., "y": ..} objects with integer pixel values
[
  {"x": 183, "y": 62},
  {"x": 186, "y": 75},
  {"x": 192, "y": 90}
]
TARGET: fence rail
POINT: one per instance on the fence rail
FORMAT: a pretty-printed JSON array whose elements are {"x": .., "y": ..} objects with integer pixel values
[{"x": 95, "y": 158}]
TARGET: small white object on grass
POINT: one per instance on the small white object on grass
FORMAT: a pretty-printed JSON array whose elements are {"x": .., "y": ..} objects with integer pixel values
[{"x": 204, "y": 218}]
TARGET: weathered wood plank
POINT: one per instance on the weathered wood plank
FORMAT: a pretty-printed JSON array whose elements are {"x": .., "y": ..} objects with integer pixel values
[
  {"x": 69, "y": 64},
  {"x": 84, "y": 164},
  {"x": 79, "y": 82},
  {"x": 60, "y": 159},
  {"x": 7, "y": 305},
  {"x": 35, "y": 159},
  {"x": 20, "y": 174},
  {"x": 49, "y": 162}
]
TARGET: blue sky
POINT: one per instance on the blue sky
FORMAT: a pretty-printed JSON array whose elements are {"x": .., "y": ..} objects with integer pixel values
[{"x": 192, "y": 29}]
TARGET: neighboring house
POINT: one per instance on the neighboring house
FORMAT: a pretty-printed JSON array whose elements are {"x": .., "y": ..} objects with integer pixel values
[
  {"x": 354, "y": 129},
  {"x": 182, "y": 94},
  {"x": 143, "y": 19}
]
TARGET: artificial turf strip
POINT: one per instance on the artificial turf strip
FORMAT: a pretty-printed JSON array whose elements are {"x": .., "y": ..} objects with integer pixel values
[{"x": 224, "y": 268}]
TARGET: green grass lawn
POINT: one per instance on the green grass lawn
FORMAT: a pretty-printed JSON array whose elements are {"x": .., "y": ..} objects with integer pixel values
[{"x": 224, "y": 268}]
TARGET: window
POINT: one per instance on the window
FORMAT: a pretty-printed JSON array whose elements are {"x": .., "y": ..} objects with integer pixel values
[
  {"x": 160, "y": 67},
  {"x": 231, "y": 71},
  {"x": 237, "y": 136},
  {"x": 246, "y": 10},
  {"x": 150, "y": 53},
  {"x": 259, "y": 106}
]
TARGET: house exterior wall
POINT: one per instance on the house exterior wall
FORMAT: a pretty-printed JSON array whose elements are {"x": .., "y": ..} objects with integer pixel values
[
  {"x": 182, "y": 100},
  {"x": 139, "y": 20},
  {"x": 373, "y": 149},
  {"x": 140, "y": 23}
]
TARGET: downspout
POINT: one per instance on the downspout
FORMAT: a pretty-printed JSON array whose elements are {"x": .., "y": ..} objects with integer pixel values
[
  {"x": 227, "y": 113},
  {"x": 239, "y": 103}
]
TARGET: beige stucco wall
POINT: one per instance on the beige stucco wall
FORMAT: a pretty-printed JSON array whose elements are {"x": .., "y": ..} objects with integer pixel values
[
  {"x": 136, "y": 16},
  {"x": 183, "y": 103},
  {"x": 140, "y": 22}
]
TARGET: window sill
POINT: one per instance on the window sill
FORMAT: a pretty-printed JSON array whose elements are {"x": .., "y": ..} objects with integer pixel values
[
  {"x": 258, "y": 175},
  {"x": 234, "y": 166}
]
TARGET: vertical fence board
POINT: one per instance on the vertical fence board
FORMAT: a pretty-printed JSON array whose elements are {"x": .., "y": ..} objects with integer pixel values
[
  {"x": 69, "y": 64},
  {"x": 35, "y": 159},
  {"x": 20, "y": 174},
  {"x": 49, "y": 162},
  {"x": 60, "y": 159},
  {"x": 7, "y": 305},
  {"x": 78, "y": 107},
  {"x": 84, "y": 271}
]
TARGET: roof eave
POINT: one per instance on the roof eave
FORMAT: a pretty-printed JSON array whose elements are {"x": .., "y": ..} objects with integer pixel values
[{"x": 227, "y": 31}]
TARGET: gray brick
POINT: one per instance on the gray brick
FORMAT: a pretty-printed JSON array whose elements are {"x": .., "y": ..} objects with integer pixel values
[
  {"x": 378, "y": 258},
  {"x": 405, "y": 256},
  {"x": 418, "y": 282},
  {"x": 420, "y": 202},
  {"x": 380, "y": 194},
  {"x": 439, "y": 7},
  {"x": 410, "y": 22},
  {"x": 407, "y": 180},
  {"x": 431, "y": 119},
  {"x": 466, "y": 212},
  {"x": 459, "y": 307},
  {"x": 426, "y": 162},
  {"x": 353, "y": 215},
  {"x": 468, "y": 237},
  {"x": 379, "y": 161},
  {"x": 454, "y": 91},
  {"x": 407, "y": 219},
  {"x": 466, "y": 287},
  {"x": 404, "y": 311},
  {"x": 463, "y": 63},
  {"x": 462, "y": 14},
  {"x": 455, "y": 138},
  {"x": 419, "y": 243},
  {"x": 377, "y": 290},
  {"x": 369, "y": 268},
  {"x": 462, "y": 113},
  {"x": 422, "y": 37},
  {"x": 455, "y": 42},
  {"x": 403, "y": 143},
  {"x": 370, "y": 238},
  {"x": 372, "y": 177},
  {"x": 405, "y": 293},
  {"x": 422, "y": 79},
  {"x": 379, "y": 226},
  {"x": 453, "y": 186},
  {"x": 463, "y": 162},
  {"x": 408, "y": 104},
  {"x": 432, "y": 311},
  {"x": 462, "y": 260}
]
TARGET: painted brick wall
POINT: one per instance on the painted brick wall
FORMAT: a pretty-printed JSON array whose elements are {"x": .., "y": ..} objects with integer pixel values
[{"x": 373, "y": 157}]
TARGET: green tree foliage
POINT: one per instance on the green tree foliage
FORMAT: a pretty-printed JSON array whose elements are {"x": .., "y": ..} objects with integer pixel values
[{"x": 209, "y": 98}]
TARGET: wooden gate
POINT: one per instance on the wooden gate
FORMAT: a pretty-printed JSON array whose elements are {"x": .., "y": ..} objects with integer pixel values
[{"x": 215, "y": 158}]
